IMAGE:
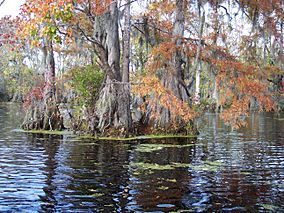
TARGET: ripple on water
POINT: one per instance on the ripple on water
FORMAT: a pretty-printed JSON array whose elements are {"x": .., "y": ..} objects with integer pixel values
[{"x": 240, "y": 171}]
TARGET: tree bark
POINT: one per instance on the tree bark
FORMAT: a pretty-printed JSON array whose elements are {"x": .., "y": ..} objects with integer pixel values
[
  {"x": 43, "y": 112},
  {"x": 215, "y": 94},
  {"x": 174, "y": 79},
  {"x": 113, "y": 105},
  {"x": 198, "y": 65},
  {"x": 126, "y": 63}
]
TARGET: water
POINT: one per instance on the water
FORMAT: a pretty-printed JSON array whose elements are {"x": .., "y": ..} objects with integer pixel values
[{"x": 223, "y": 171}]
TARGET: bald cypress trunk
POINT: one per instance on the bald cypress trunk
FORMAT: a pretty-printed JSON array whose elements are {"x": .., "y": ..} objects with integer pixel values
[
  {"x": 113, "y": 105},
  {"x": 173, "y": 79},
  {"x": 42, "y": 112}
]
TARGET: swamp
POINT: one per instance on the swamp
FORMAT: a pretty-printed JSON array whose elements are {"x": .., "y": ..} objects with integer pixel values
[
  {"x": 220, "y": 171},
  {"x": 141, "y": 106}
]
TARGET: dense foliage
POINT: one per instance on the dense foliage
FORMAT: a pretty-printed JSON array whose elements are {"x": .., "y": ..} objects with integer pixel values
[{"x": 86, "y": 82}]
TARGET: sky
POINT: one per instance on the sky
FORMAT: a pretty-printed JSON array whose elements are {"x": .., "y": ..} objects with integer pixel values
[{"x": 11, "y": 7}]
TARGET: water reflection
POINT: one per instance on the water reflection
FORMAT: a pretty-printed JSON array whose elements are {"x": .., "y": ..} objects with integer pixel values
[
  {"x": 253, "y": 161},
  {"x": 161, "y": 188},
  {"x": 224, "y": 170}
]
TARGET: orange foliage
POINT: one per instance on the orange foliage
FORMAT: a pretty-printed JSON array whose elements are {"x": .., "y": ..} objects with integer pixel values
[
  {"x": 45, "y": 18},
  {"x": 150, "y": 87},
  {"x": 238, "y": 83}
]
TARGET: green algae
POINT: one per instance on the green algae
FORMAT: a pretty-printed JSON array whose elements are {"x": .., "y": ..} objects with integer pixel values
[
  {"x": 88, "y": 136},
  {"x": 182, "y": 165},
  {"x": 157, "y": 147},
  {"x": 163, "y": 188},
  {"x": 97, "y": 194},
  {"x": 171, "y": 180},
  {"x": 269, "y": 207},
  {"x": 206, "y": 166},
  {"x": 151, "y": 166}
]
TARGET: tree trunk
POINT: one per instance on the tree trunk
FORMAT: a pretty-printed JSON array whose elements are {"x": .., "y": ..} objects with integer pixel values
[
  {"x": 197, "y": 84},
  {"x": 126, "y": 63},
  {"x": 198, "y": 65},
  {"x": 173, "y": 79},
  {"x": 43, "y": 112},
  {"x": 215, "y": 94},
  {"x": 113, "y": 105}
]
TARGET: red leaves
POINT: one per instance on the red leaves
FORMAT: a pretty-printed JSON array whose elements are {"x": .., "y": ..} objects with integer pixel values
[
  {"x": 8, "y": 37},
  {"x": 36, "y": 94}
]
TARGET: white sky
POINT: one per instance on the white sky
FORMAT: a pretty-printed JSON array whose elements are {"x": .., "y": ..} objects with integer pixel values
[{"x": 11, "y": 7}]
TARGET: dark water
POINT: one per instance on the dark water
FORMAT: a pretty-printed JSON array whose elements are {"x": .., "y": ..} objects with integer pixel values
[{"x": 223, "y": 171}]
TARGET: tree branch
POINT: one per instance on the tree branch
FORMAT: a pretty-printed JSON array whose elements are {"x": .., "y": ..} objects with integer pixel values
[
  {"x": 226, "y": 11},
  {"x": 127, "y": 3},
  {"x": 2, "y": 2}
]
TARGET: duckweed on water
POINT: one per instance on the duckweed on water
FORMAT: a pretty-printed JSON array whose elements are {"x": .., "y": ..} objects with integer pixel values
[
  {"x": 151, "y": 166},
  {"x": 207, "y": 166},
  {"x": 97, "y": 194},
  {"x": 171, "y": 180},
  {"x": 163, "y": 188},
  {"x": 182, "y": 165},
  {"x": 269, "y": 207},
  {"x": 157, "y": 147}
]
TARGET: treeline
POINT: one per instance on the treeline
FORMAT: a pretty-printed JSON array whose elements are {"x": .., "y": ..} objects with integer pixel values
[{"x": 136, "y": 67}]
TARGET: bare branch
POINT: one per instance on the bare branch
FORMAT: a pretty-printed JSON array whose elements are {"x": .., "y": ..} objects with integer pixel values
[
  {"x": 128, "y": 3},
  {"x": 226, "y": 10},
  {"x": 2, "y": 2}
]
